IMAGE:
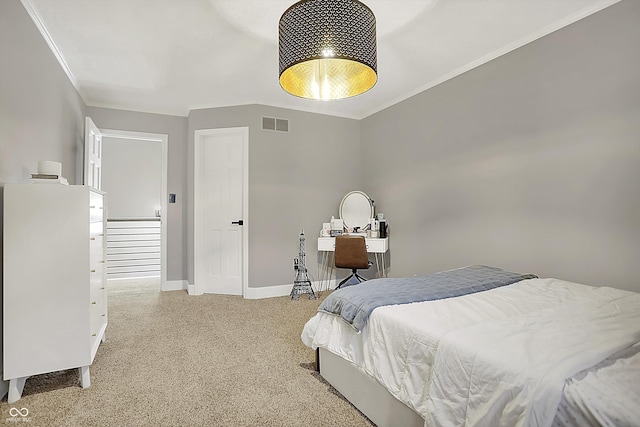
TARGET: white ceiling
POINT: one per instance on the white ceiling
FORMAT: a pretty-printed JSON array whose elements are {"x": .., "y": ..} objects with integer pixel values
[{"x": 172, "y": 56}]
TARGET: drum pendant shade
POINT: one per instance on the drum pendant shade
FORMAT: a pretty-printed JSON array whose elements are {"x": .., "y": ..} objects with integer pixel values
[{"x": 327, "y": 49}]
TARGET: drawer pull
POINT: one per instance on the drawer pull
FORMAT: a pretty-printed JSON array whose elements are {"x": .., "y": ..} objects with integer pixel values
[
  {"x": 102, "y": 262},
  {"x": 102, "y": 288},
  {"x": 93, "y": 335},
  {"x": 93, "y": 238},
  {"x": 93, "y": 302},
  {"x": 93, "y": 271},
  {"x": 104, "y": 315}
]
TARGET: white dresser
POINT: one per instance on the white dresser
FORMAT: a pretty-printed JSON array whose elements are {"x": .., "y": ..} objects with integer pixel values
[{"x": 54, "y": 296}]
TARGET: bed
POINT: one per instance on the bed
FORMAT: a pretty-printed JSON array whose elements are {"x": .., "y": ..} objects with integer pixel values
[{"x": 510, "y": 350}]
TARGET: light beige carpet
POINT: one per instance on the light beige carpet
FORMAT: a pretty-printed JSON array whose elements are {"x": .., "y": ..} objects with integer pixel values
[{"x": 171, "y": 359}]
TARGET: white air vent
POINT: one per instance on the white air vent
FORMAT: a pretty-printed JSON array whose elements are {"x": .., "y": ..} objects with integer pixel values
[{"x": 278, "y": 125}]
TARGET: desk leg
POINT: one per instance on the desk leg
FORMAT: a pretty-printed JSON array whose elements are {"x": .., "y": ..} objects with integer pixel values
[
  {"x": 327, "y": 266},
  {"x": 326, "y": 270},
  {"x": 330, "y": 264},
  {"x": 380, "y": 264},
  {"x": 320, "y": 273}
]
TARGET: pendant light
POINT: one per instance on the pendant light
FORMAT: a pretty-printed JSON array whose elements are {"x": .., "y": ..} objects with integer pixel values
[{"x": 327, "y": 49}]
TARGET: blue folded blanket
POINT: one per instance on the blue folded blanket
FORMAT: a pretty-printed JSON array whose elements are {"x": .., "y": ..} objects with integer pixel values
[{"x": 355, "y": 303}]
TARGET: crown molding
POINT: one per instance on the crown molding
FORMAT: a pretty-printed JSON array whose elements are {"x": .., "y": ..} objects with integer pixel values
[
  {"x": 37, "y": 19},
  {"x": 583, "y": 13}
]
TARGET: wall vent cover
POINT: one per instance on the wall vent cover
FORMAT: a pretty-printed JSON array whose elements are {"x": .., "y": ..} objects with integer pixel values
[{"x": 274, "y": 124}]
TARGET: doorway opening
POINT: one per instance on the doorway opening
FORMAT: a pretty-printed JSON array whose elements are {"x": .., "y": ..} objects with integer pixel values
[{"x": 134, "y": 176}]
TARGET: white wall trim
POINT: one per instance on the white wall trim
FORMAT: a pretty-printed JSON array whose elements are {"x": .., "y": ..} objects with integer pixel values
[
  {"x": 174, "y": 285},
  {"x": 245, "y": 213},
  {"x": 164, "y": 140},
  {"x": 279, "y": 290},
  {"x": 37, "y": 19},
  {"x": 268, "y": 291}
]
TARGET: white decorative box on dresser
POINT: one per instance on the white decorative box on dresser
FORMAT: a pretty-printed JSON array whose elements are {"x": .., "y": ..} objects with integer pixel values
[{"x": 54, "y": 296}]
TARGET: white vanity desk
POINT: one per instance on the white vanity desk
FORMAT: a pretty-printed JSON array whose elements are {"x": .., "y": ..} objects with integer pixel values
[
  {"x": 327, "y": 247},
  {"x": 355, "y": 211}
]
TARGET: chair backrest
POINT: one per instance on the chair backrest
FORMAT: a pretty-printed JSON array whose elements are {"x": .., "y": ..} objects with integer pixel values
[{"x": 351, "y": 252}]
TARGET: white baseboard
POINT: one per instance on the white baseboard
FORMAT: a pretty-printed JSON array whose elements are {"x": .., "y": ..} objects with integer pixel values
[
  {"x": 263, "y": 292},
  {"x": 175, "y": 285},
  {"x": 268, "y": 292},
  {"x": 278, "y": 290}
]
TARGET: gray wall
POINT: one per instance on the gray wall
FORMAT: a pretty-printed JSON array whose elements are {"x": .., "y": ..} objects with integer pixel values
[
  {"x": 530, "y": 162},
  {"x": 176, "y": 129},
  {"x": 295, "y": 182},
  {"x": 41, "y": 114},
  {"x": 132, "y": 176}
]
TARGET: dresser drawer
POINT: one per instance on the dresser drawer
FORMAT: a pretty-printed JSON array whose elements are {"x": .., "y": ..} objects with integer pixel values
[
  {"x": 327, "y": 244},
  {"x": 97, "y": 292},
  {"x": 96, "y": 243},
  {"x": 97, "y": 296},
  {"x": 98, "y": 310},
  {"x": 377, "y": 245},
  {"x": 97, "y": 257},
  {"x": 96, "y": 207},
  {"x": 96, "y": 269},
  {"x": 96, "y": 217},
  {"x": 98, "y": 319}
]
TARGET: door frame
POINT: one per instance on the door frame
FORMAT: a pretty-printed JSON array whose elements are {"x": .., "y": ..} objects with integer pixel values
[
  {"x": 197, "y": 288},
  {"x": 163, "y": 139},
  {"x": 91, "y": 133}
]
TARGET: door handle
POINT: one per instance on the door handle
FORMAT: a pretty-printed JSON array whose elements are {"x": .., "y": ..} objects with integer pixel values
[{"x": 238, "y": 222}]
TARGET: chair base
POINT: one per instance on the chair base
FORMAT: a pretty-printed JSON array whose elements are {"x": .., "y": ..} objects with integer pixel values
[{"x": 345, "y": 280}]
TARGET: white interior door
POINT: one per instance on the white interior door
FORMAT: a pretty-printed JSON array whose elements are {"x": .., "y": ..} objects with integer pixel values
[
  {"x": 92, "y": 155},
  {"x": 220, "y": 210}
]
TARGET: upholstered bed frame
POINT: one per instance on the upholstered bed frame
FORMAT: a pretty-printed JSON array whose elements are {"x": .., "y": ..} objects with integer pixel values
[{"x": 364, "y": 392}]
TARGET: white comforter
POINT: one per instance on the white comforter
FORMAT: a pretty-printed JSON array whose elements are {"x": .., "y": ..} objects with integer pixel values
[{"x": 498, "y": 357}]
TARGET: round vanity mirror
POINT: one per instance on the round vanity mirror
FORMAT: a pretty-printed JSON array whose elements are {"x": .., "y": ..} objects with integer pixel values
[{"x": 356, "y": 209}]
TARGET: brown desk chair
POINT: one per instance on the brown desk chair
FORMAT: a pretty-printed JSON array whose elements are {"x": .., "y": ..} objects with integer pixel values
[{"x": 351, "y": 252}]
